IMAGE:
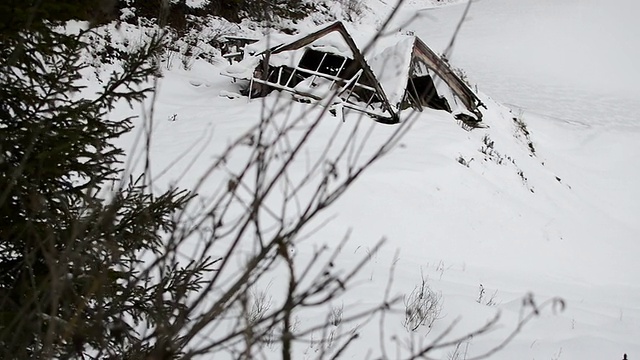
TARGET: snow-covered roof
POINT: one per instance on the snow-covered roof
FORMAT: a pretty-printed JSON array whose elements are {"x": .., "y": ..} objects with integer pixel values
[
  {"x": 387, "y": 72},
  {"x": 391, "y": 67},
  {"x": 331, "y": 42},
  {"x": 411, "y": 57}
]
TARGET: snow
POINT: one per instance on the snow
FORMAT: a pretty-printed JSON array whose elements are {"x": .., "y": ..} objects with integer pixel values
[
  {"x": 333, "y": 43},
  {"x": 560, "y": 222},
  {"x": 243, "y": 69},
  {"x": 315, "y": 86},
  {"x": 391, "y": 67},
  {"x": 576, "y": 51}
]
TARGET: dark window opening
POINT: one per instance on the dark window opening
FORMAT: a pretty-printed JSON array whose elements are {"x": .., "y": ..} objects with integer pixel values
[
  {"x": 422, "y": 92},
  {"x": 325, "y": 63},
  {"x": 285, "y": 76},
  {"x": 338, "y": 66},
  {"x": 339, "y": 70},
  {"x": 364, "y": 95}
]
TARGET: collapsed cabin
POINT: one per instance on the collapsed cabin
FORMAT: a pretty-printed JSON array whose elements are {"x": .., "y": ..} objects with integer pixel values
[
  {"x": 328, "y": 64},
  {"x": 413, "y": 76},
  {"x": 325, "y": 63}
]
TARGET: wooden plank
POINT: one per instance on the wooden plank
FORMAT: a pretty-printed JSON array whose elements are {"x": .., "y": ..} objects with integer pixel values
[
  {"x": 388, "y": 119},
  {"x": 442, "y": 69}
]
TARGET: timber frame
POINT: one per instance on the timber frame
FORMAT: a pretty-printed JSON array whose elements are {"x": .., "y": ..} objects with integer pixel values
[
  {"x": 471, "y": 101},
  {"x": 354, "y": 81},
  {"x": 351, "y": 78}
]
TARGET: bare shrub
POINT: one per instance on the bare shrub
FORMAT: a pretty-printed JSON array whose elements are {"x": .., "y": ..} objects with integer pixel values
[
  {"x": 337, "y": 314},
  {"x": 487, "y": 300},
  {"x": 422, "y": 307},
  {"x": 522, "y": 132},
  {"x": 460, "y": 351}
]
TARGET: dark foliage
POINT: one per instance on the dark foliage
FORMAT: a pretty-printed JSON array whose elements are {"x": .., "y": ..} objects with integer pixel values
[
  {"x": 18, "y": 15},
  {"x": 234, "y": 10},
  {"x": 177, "y": 14},
  {"x": 71, "y": 234}
]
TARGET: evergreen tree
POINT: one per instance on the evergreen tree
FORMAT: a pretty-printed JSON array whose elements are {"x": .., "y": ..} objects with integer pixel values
[{"x": 70, "y": 280}]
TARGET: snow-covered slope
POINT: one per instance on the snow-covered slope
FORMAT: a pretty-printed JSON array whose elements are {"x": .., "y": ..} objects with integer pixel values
[{"x": 472, "y": 209}]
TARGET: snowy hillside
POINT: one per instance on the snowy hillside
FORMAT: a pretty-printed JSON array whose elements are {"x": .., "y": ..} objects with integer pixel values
[{"x": 543, "y": 200}]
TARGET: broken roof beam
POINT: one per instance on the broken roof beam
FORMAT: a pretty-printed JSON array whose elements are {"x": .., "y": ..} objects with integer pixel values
[
  {"x": 377, "y": 115},
  {"x": 460, "y": 89}
]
